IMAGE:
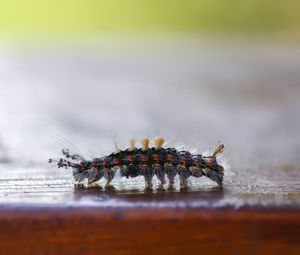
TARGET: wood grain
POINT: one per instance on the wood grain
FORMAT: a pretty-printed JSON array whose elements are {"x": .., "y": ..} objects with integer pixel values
[{"x": 146, "y": 231}]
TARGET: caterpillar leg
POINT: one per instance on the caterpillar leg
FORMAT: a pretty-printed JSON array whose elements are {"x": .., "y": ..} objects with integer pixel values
[
  {"x": 171, "y": 176},
  {"x": 160, "y": 173},
  {"x": 109, "y": 174},
  {"x": 162, "y": 178},
  {"x": 183, "y": 176},
  {"x": 147, "y": 172},
  {"x": 171, "y": 173},
  {"x": 148, "y": 181},
  {"x": 183, "y": 180}
]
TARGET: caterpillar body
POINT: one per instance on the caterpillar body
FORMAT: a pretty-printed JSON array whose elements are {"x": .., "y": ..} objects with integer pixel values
[{"x": 145, "y": 161}]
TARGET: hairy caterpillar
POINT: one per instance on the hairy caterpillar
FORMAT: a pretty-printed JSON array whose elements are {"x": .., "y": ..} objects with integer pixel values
[{"x": 145, "y": 161}]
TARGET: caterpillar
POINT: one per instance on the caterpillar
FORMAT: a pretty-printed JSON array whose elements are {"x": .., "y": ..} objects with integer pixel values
[{"x": 145, "y": 161}]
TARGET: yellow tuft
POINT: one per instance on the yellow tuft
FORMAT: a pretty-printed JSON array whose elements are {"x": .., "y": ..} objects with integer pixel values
[
  {"x": 158, "y": 142},
  {"x": 219, "y": 149},
  {"x": 145, "y": 143},
  {"x": 117, "y": 150},
  {"x": 132, "y": 144}
]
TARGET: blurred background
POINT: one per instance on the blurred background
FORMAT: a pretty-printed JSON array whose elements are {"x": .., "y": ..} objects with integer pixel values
[{"x": 194, "y": 71}]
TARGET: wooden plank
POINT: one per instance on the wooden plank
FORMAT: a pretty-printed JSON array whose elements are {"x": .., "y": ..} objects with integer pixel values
[
  {"x": 42, "y": 212},
  {"x": 91, "y": 231}
]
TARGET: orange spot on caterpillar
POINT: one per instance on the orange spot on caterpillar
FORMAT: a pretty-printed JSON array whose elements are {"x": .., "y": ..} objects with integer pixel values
[
  {"x": 116, "y": 161},
  {"x": 143, "y": 158},
  {"x": 155, "y": 157},
  {"x": 130, "y": 158},
  {"x": 183, "y": 159},
  {"x": 170, "y": 157},
  {"x": 196, "y": 162},
  {"x": 95, "y": 160},
  {"x": 208, "y": 161}
]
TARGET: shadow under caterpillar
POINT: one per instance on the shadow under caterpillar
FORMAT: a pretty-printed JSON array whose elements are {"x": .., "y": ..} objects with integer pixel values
[{"x": 145, "y": 161}]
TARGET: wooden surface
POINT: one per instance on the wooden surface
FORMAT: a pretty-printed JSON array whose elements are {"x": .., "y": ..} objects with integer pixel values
[
  {"x": 48, "y": 187},
  {"x": 150, "y": 232},
  {"x": 43, "y": 212}
]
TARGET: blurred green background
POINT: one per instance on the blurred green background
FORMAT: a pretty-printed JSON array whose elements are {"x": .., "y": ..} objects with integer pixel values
[{"x": 266, "y": 17}]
